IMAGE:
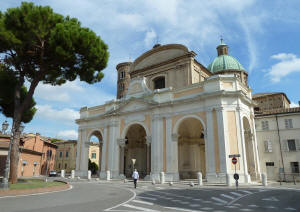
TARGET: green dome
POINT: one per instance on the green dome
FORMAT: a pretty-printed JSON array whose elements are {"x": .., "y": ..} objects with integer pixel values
[{"x": 224, "y": 62}]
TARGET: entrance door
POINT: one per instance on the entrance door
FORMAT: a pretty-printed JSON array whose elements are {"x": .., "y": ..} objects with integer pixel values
[{"x": 270, "y": 170}]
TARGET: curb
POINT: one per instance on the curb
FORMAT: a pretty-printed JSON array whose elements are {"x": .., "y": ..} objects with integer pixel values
[{"x": 20, "y": 192}]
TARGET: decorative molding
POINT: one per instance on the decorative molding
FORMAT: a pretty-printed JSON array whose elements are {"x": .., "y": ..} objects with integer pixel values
[
  {"x": 122, "y": 142},
  {"x": 148, "y": 140},
  {"x": 175, "y": 137}
]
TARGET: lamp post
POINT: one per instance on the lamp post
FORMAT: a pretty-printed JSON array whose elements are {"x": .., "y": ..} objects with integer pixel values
[{"x": 5, "y": 184}]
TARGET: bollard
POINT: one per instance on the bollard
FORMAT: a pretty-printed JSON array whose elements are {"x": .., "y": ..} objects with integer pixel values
[
  {"x": 72, "y": 174},
  {"x": 264, "y": 179},
  {"x": 199, "y": 176},
  {"x": 153, "y": 182},
  {"x": 62, "y": 173},
  {"x": 192, "y": 184},
  {"x": 107, "y": 175},
  {"x": 89, "y": 174},
  {"x": 125, "y": 180},
  {"x": 170, "y": 183},
  {"x": 162, "y": 178},
  {"x": 294, "y": 180},
  {"x": 228, "y": 180}
]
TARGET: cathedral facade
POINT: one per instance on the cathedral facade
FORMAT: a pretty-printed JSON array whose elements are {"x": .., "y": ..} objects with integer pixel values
[{"x": 174, "y": 115}]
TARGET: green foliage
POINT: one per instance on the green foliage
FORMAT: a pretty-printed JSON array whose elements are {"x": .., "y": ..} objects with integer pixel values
[
  {"x": 7, "y": 90},
  {"x": 39, "y": 42},
  {"x": 93, "y": 167},
  {"x": 53, "y": 140}
]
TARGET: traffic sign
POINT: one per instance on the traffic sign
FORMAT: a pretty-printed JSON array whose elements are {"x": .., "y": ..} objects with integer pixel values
[
  {"x": 235, "y": 156},
  {"x": 236, "y": 176},
  {"x": 234, "y": 160}
]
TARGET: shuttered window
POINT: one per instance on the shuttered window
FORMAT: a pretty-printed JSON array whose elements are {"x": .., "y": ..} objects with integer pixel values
[
  {"x": 288, "y": 123},
  {"x": 268, "y": 146},
  {"x": 265, "y": 125}
]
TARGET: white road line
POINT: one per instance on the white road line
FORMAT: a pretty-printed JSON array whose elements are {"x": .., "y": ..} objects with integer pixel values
[
  {"x": 237, "y": 194},
  {"x": 246, "y": 209},
  {"x": 291, "y": 209},
  {"x": 197, "y": 199},
  {"x": 207, "y": 209},
  {"x": 195, "y": 205},
  {"x": 184, "y": 203},
  {"x": 227, "y": 196},
  {"x": 252, "y": 206},
  {"x": 179, "y": 209},
  {"x": 142, "y": 202},
  {"x": 121, "y": 204},
  {"x": 149, "y": 198},
  {"x": 139, "y": 208},
  {"x": 219, "y": 200},
  {"x": 248, "y": 192}
]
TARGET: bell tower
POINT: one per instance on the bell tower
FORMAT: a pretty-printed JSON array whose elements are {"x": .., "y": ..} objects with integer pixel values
[
  {"x": 123, "y": 78},
  {"x": 222, "y": 48}
]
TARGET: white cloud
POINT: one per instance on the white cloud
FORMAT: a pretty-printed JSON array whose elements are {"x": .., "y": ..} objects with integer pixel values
[
  {"x": 65, "y": 115},
  {"x": 149, "y": 38},
  {"x": 288, "y": 63},
  {"x": 68, "y": 134},
  {"x": 293, "y": 104}
]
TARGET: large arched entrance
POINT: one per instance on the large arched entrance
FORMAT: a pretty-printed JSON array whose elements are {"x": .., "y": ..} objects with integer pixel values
[
  {"x": 191, "y": 149},
  {"x": 136, "y": 148},
  {"x": 95, "y": 151},
  {"x": 249, "y": 148}
]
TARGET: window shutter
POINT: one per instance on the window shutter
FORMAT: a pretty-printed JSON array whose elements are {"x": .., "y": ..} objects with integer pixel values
[
  {"x": 290, "y": 123},
  {"x": 269, "y": 146},
  {"x": 266, "y": 146},
  {"x": 284, "y": 145},
  {"x": 286, "y": 121},
  {"x": 297, "y": 144}
]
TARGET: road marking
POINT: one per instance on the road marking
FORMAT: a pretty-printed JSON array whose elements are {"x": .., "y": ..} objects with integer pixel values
[
  {"x": 195, "y": 205},
  {"x": 149, "y": 198},
  {"x": 142, "y": 202},
  {"x": 253, "y": 206},
  {"x": 230, "y": 206},
  {"x": 246, "y": 209},
  {"x": 139, "y": 208},
  {"x": 270, "y": 206},
  {"x": 207, "y": 201},
  {"x": 175, "y": 200},
  {"x": 227, "y": 196},
  {"x": 121, "y": 204},
  {"x": 207, "y": 209},
  {"x": 248, "y": 192},
  {"x": 197, "y": 199},
  {"x": 179, "y": 209},
  {"x": 272, "y": 199},
  {"x": 184, "y": 203},
  {"x": 237, "y": 194},
  {"x": 291, "y": 209},
  {"x": 219, "y": 200}
]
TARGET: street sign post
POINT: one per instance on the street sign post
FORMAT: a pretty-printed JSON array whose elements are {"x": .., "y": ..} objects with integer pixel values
[{"x": 235, "y": 176}]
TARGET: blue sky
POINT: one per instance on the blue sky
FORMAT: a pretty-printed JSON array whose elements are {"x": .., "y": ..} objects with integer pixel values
[{"x": 262, "y": 35}]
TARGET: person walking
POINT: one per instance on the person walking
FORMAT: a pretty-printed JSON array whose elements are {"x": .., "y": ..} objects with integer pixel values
[{"x": 135, "y": 176}]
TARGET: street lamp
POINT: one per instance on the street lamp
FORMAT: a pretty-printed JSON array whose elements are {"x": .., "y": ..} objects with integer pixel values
[
  {"x": 4, "y": 126},
  {"x": 4, "y": 184}
]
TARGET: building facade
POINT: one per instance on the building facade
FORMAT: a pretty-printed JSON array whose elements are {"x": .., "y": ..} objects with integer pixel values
[
  {"x": 37, "y": 155},
  {"x": 176, "y": 116},
  {"x": 66, "y": 155},
  {"x": 278, "y": 138},
  {"x": 94, "y": 153}
]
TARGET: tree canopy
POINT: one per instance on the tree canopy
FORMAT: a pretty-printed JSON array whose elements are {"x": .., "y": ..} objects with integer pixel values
[
  {"x": 39, "y": 45},
  {"x": 7, "y": 91}
]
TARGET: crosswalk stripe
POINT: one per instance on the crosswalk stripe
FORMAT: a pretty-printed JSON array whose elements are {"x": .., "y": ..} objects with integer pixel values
[
  {"x": 149, "y": 198},
  {"x": 139, "y": 208},
  {"x": 227, "y": 196},
  {"x": 179, "y": 209},
  {"x": 142, "y": 202},
  {"x": 237, "y": 194},
  {"x": 248, "y": 192},
  {"x": 219, "y": 200}
]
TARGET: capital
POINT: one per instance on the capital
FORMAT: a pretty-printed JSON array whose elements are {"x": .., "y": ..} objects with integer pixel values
[
  {"x": 175, "y": 137},
  {"x": 122, "y": 142},
  {"x": 148, "y": 140}
]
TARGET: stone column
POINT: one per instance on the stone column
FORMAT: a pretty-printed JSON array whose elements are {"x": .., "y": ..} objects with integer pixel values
[
  {"x": 82, "y": 154},
  {"x": 100, "y": 156},
  {"x": 209, "y": 148},
  {"x": 225, "y": 165},
  {"x": 148, "y": 143},
  {"x": 114, "y": 154},
  {"x": 255, "y": 148},
  {"x": 242, "y": 148},
  {"x": 122, "y": 143},
  {"x": 104, "y": 153},
  {"x": 156, "y": 148}
]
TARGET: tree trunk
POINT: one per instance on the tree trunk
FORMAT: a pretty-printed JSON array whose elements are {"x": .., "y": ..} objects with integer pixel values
[{"x": 14, "y": 156}]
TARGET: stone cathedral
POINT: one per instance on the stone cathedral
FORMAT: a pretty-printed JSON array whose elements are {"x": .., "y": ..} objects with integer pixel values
[{"x": 174, "y": 115}]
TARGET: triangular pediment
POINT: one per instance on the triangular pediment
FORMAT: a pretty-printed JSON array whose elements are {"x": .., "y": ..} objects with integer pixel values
[{"x": 134, "y": 105}]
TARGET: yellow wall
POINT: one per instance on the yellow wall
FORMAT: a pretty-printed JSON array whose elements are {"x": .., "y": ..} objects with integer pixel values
[
  {"x": 216, "y": 141},
  {"x": 232, "y": 136}
]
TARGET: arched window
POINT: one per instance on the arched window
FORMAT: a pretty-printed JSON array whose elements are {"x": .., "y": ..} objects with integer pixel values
[{"x": 159, "y": 83}]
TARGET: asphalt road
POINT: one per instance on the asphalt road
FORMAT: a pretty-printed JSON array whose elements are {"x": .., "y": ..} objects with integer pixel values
[{"x": 117, "y": 196}]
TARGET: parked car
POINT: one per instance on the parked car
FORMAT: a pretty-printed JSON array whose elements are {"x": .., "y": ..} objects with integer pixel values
[{"x": 52, "y": 173}]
